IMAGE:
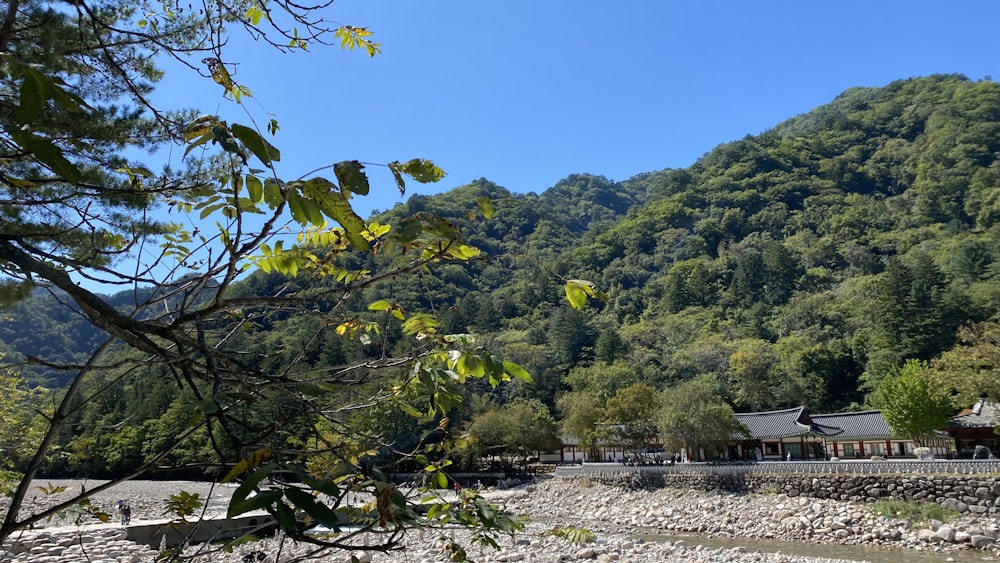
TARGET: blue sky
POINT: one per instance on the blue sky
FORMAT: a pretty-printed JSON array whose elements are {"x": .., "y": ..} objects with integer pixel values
[{"x": 525, "y": 93}]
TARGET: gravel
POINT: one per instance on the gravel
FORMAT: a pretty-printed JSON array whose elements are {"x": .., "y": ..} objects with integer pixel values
[{"x": 615, "y": 515}]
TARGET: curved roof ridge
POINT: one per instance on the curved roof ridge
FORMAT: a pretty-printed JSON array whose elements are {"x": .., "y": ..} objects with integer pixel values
[{"x": 792, "y": 409}]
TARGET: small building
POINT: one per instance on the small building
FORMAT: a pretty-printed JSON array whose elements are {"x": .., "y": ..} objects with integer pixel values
[
  {"x": 975, "y": 427},
  {"x": 574, "y": 451}
]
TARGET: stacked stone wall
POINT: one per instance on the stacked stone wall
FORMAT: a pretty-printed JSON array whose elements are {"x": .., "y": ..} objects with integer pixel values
[{"x": 974, "y": 494}]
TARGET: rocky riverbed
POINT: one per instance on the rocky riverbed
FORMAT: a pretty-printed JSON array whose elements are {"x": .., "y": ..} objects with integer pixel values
[{"x": 621, "y": 518}]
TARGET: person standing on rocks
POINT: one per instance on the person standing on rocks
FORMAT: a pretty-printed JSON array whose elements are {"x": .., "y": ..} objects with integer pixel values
[{"x": 126, "y": 515}]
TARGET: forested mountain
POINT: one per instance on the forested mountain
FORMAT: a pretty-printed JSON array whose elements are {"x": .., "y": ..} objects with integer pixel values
[{"x": 797, "y": 266}]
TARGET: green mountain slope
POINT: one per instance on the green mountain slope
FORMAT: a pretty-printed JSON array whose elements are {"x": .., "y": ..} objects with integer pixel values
[{"x": 797, "y": 266}]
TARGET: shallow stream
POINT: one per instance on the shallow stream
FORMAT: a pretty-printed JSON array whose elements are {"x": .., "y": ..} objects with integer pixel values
[{"x": 834, "y": 551}]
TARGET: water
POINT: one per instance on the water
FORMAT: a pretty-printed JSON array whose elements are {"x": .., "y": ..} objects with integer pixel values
[{"x": 834, "y": 551}]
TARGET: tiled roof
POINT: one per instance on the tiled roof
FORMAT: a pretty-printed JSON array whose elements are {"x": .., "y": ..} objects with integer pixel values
[
  {"x": 981, "y": 415},
  {"x": 861, "y": 424},
  {"x": 775, "y": 424}
]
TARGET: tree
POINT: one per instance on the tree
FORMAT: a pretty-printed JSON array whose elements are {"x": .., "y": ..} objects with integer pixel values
[
  {"x": 970, "y": 369},
  {"x": 570, "y": 335},
  {"x": 609, "y": 346},
  {"x": 631, "y": 417},
  {"x": 912, "y": 315},
  {"x": 913, "y": 406},
  {"x": 749, "y": 375},
  {"x": 516, "y": 430},
  {"x": 602, "y": 381},
  {"x": 21, "y": 417},
  {"x": 693, "y": 416},
  {"x": 76, "y": 97},
  {"x": 581, "y": 413}
]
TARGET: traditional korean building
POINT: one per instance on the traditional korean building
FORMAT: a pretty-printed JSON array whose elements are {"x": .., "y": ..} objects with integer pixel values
[
  {"x": 866, "y": 433},
  {"x": 796, "y": 434},
  {"x": 975, "y": 427},
  {"x": 776, "y": 434}
]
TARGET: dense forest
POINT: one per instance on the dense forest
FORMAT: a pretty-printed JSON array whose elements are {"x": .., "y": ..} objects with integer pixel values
[{"x": 798, "y": 266}]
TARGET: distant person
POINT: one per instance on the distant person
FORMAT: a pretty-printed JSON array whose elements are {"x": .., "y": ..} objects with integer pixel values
[
  {"x": 126, "y": 515},
  {"x": 788, "y": 457}
]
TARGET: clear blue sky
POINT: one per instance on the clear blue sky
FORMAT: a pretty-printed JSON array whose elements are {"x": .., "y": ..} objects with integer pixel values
[{"x": 525, "y": 93}]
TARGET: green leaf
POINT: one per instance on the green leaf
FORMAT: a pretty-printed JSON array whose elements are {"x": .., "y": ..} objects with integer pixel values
[
  {"x": 379, "y": 306},
  {"x": 517, "y": 371},
  {"x": 318, "y": 511},
  {"x": 339, "y": 209},
  {"x": 295, "y": 206},
  {"x": 313, "y": 212},
  {"x": 35, "y": 88},
  {"x": 241, "y": 501},
  {"x": 285, "y": 516},
  {"x": 47, "y": 153},
  {"x": 325, "y": 486},
  {"x": 410, "y": 410},
  {"x": 251, "y": 139},
  {"x": 208, "y": 210},
  {"x": 486, "y": 206},
  {"x": 31, "y": 99},
  {"x": 423, "y": 171},
  {"x": 397, "y": 174},
  {"x": 64, "y": 99},
  {"x": 272, "y": 193},
  {"x": 351, "y": 175},
  {"x": 222, "y": 136},
  {"x": 255, "y": 188},
  {"x": 20, "y": 182},
  {"x": 442, "y": 480}
]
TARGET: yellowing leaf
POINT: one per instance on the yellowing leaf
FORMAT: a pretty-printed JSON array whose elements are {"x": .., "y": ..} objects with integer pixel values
[
  {"x": 252, "y": 461},
  {"x": 576, "y": 296},
  {"x": 577, "y": 292},
  {"x": 254, "y": 14},
  {"x": 486, "y": 206}
]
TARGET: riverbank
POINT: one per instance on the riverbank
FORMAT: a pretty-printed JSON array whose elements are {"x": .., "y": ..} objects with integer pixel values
[{"x": 625, "y": 522}]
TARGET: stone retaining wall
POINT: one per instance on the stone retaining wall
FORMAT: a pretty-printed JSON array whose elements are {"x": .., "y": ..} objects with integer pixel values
[{"x": 963, "y": 493}]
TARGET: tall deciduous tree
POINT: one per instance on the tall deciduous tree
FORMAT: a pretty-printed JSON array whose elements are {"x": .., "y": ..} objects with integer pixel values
[
  {"x": 517, "y": 430},
  {"x": 693, "y": 416},
  {"x": 913, "y": 406},
  {"x": 581, "y": 413},
  {"x": 631, "y": 417}
]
